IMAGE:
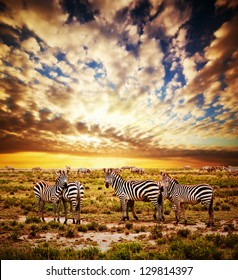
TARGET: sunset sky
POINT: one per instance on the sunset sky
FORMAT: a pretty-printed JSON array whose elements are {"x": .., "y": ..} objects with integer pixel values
[{"x": 97, "y": 83}]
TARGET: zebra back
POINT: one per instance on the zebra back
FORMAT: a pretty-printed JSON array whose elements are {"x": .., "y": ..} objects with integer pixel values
[
  {"x": 187, "y": 193},
  {"x": 133, "y": 189}
]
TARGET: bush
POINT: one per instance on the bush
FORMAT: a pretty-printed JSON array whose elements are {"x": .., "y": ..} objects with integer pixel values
[
  {"x": 32, "y": 219},
  {"x": 82, "y": 228},
  {"x": 199, "y": 249},
  {"x": 156, "y": 232},
  {"x": 183, "y": 232},
  {"x": 124, "y": 251}
]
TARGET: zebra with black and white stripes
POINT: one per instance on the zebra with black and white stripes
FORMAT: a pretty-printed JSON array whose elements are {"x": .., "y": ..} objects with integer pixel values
[
  {"x": 73, "y": 194},
  {"x": 46, "y": 192},
  {"x": 146, "y": 190},
  {"x": 187, "y": 194}
]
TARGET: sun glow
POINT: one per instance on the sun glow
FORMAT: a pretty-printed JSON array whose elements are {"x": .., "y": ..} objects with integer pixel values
[{"x": 52, "y": 160}]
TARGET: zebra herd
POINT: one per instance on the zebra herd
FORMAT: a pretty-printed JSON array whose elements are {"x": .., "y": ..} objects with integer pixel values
[{"x": 128, "y": 192}]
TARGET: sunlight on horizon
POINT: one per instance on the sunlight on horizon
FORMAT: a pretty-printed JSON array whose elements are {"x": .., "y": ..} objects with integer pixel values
[{"x": 50, "y": 160}]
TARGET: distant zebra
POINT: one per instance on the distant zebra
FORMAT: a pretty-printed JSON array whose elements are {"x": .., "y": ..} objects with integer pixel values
[
  {"x": 46, "y": 192},
  {"x": 187, "y": 194},
  {"x": 146, "y": 190},
  {"x": 232, "y": 170},
  {"x": 83, "y": 171},
  {"x": 73, "y": 194},
  {"x": 9, "y": 168},
  {"x": 137, "y": 170},
  {"x": 36, "y": 169}
]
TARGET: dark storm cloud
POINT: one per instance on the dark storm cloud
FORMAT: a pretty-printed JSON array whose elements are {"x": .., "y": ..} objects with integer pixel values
[
  {"x": 81, "y": 10},
  {"x": 140, "y": 14}
]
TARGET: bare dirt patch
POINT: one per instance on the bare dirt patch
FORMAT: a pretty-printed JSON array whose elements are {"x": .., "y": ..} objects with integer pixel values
[{"x": 117, "y": 232}]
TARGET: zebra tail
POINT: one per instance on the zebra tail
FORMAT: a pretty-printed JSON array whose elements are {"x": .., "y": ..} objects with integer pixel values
[{"x": 78, "y": 206}]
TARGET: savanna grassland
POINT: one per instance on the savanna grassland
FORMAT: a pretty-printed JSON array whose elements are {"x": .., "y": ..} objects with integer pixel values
[{"x": 102, "y": 235}]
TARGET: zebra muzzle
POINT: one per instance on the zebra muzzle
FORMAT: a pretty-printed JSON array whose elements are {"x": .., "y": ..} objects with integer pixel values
[{"x": 107, "y": 185}]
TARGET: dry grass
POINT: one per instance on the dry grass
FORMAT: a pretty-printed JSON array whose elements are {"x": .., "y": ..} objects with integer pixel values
[{"x": 102, "y": 235}]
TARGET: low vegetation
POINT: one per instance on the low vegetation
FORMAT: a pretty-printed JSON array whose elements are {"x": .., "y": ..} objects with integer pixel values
[{"x": 24, "y": 236}]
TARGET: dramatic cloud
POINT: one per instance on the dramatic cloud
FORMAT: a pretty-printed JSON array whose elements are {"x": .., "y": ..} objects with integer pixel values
[{"x": 125, "y": 78}]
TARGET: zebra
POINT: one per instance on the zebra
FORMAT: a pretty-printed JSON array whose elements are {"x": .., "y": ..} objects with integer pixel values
[
  {"x": 9, "y": 168},
  {"x": 45, "y": 192},
  {"x": 36, "y": 169},
  {"x": 187, "y": 194},
  {"x": 127, "y": 191},
  {"x": 73, "y": 194}
]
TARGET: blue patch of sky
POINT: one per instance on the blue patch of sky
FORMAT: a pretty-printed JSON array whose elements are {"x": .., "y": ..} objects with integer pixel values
[
  {"x": 47, "y": 71},
  {"x": 200, "y": 65},
  {"x": 200, "y": 100},
  {"x": 60, "y": 56},
  {"x": 98, "y": 67},
  {"x": 94, "y": 64}
]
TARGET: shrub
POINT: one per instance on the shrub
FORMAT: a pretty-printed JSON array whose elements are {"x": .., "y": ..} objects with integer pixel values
[
  {"x": 124, "y": 251},
  {"x": 129, "y": 225},
  {"x": 156, "y": 232},
  {"x": 183, "y": 232},
  {"x": 82, "y": 228},
  {"x": 32, "y": 219}
]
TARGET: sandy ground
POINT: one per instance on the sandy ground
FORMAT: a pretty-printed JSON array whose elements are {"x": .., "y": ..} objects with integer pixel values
[{"x": 105, "y": 239}]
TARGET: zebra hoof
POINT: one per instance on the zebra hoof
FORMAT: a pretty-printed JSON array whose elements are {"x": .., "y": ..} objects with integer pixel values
[
  {"x": 65, "y": 222},
  {"x": 78, "y": 222}
]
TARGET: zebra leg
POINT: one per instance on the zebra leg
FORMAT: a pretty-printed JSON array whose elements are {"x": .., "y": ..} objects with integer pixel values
[
  {"x": 41, "y": 210},
  {"x": 72, "y": 210},
  {"x": 183, "y": 213},
  {"x": 57, "y": 209},
  {"x": 39, "y": 201},
  {"x": 157, "y": 209},
  {"x": 65, "y": 212},
  {"x": 211, "y": 214},
  {"x": 154, "y": 215},
  {"x": 130, "y": 204},
  {"x": 78, "y": 209},
  {"x": 177, "y": 212},
  {"x": 123, "y": 207}
]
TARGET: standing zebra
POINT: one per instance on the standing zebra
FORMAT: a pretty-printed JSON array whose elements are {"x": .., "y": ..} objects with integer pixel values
[
  {"x": 146, "y": 190},
  {"x": 187, "y": 194},
  {"x": 73, "y": 194},
  {"x": 45, "y": 192}
]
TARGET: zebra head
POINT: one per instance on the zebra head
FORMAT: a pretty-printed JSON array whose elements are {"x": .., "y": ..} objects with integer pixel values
[
  {"x": 166, "y": 180},
  {"x": 108, "y": 177},
  {"x": 62, "y": 178}
]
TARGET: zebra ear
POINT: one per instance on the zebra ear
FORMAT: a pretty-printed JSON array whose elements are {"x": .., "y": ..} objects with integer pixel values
[{"x": 58, "y": 172}]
